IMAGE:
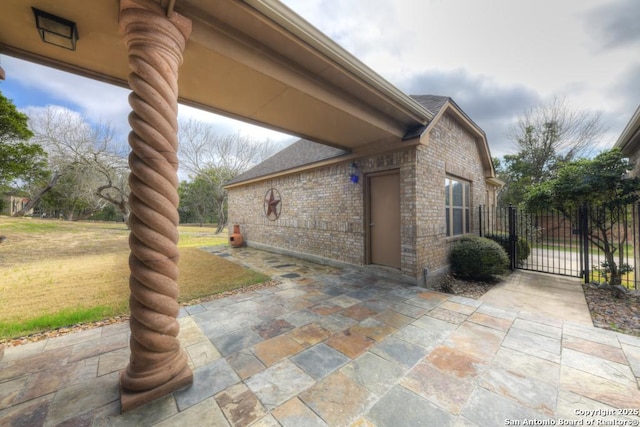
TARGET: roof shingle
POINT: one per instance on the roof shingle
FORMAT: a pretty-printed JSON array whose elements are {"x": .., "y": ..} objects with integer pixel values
[{"x": 300, "y": 153}]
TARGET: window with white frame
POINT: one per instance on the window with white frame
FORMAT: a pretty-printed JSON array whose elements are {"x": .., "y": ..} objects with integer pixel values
[{"x": 457, "y": 206}]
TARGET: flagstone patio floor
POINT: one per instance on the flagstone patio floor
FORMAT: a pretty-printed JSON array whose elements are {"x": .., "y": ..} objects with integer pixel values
[{"x": 343, "y": 347}]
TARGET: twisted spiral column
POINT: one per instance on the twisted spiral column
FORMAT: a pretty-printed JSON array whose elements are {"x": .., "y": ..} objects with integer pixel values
[{"x": 155, "y": 44}]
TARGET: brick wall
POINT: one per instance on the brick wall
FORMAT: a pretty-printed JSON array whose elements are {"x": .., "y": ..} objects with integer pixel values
[
  {"x": 323, "y": 213},
  {"x": 450, "y": 150},
  {"x": 635, "y": 159}
]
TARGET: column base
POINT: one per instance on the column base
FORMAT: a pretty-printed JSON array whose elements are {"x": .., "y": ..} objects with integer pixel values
[{"x": 130, "y": 400}]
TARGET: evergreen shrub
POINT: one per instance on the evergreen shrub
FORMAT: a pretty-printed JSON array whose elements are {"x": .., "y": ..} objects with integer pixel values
[
  {"x": 523, "y": 249},
  {"x": 478, "y": 258}
]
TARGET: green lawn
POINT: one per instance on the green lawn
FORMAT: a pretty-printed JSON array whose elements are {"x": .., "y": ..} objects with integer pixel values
[{"x": 57, "y": 273}]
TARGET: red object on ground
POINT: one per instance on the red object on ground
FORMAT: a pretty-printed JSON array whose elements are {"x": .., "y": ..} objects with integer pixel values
[{"x": 236, "y": 240}]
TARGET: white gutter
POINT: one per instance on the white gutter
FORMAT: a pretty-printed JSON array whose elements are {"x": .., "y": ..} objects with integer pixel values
[
  {"x": 630, "y": 132},
  {"x": 288, "y": 19}
]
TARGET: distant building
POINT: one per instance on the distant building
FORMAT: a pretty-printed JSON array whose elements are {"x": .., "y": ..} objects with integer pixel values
[{"x": 12, "y": 203}]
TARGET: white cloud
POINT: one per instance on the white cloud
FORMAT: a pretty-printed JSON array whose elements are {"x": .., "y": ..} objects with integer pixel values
[{"x": 495, "y": 57}]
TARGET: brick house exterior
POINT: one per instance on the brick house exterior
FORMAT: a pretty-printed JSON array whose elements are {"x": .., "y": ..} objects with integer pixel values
[
  {"x": 629, "y": 141},
  {"x": 324, "y": 216}
]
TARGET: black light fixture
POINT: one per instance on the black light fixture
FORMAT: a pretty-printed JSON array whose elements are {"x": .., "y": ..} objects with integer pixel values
[{"x": 55, "y": 30}]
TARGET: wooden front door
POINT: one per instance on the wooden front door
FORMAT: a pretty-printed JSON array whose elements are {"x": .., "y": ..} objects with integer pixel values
[{"x": 384, "y": 218}]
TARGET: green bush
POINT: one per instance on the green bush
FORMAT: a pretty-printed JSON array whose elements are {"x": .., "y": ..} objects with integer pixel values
[
  {"x": 523, "y": 249},
  {"x": 474, "y": 257}
]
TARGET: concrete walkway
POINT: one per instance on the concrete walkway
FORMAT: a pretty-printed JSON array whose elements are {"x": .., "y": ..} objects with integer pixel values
[
  {"x": 341, "y": 348},
  {"x": 558, "y": 297}
]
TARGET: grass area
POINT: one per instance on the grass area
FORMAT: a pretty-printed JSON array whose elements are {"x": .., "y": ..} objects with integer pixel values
[
  {"x": 628, "y": 279},
  {"x": 57, "y": 273},
  {"x": 575, "y": 247}
]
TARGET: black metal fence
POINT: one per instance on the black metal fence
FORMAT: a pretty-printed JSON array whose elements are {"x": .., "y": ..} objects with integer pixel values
[{"x": 595, "y": 243}]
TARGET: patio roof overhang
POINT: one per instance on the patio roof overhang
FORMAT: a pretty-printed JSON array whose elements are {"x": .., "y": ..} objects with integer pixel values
[{"x": 254, "y": 60}]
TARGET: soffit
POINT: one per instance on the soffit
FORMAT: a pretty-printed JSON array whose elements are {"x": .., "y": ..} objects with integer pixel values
[{"x": 269, "y": 70}]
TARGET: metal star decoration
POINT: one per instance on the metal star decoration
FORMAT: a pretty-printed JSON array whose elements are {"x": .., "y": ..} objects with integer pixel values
[{"x": 272, "y": 205}]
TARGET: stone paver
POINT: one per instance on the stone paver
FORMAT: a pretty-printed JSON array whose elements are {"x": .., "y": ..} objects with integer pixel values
[
  {"x": 276, "y": 349},
  {"x": 245, "y": 364},
  {"x": 455, "y": 362},
  {"x": 211, "y": 379},
  {"x": 401, "y": 407},
  {"x": 527, "y": 365},
  {"x": 527, "y": 391},
  {"x": 538, "y": 328},
  {"x": 441, "y": 388},
  {"x": 476, "y": 340},
  {"x": 240, "y": 405},
  {"x": 374, "y": 373},
  {"x": 279, "y": 383},
  {"x": 294, "y": 413},
  {"x": 613, "y": 371},
  {"x": 350, "y": 343},
  {"x": 235, "y": 341},
  {"x": 491, "y": 321},
  {"x": 309, "y": 334},
  {"x": 613, "y": 354},
  {"x": 485, "y": 408},
  {"x": 400, "y": 351},
  {"x": 533, "y": 344},
  {"x": 600, "y": 389},
  {"x": 345, "y": 347},
  {"x": 373, "y": 329},
  {"x": 272, "y": 328},
  {"x": 206, "y": 414},
  {"x": 394, "y": 319},
  {"x": 319, "y": 360},
  {"x": 337, "y": 399}
]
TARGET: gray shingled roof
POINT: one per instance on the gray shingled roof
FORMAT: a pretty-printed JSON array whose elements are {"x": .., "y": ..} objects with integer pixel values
[
  {"x": 300, "y": 153},
  {"x": 305, "y": 152},
  {"x": 433, "y": 103}
]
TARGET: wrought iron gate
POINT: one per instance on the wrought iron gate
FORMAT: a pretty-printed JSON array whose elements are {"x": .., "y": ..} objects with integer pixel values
[{"x": 585, "y": 243}]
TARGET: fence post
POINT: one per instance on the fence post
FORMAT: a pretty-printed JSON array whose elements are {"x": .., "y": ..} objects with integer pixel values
[
  {"x": 584, "y": 237},
  {"x": 513, "y": 237}
]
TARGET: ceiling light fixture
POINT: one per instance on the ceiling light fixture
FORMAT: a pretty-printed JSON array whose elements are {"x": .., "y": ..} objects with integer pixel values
[{"x": 55, "y": 30}]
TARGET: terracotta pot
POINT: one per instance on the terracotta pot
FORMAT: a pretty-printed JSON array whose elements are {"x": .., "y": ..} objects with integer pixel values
[{"x": 236, "y": 240}]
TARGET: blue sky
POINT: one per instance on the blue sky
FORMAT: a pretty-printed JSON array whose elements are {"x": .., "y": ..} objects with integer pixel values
[
  {"x": 495, "y": 58},
  {"x": 24, "y": 96}
]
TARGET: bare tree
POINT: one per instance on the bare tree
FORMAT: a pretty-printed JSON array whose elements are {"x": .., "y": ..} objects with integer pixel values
[
  {"x": 74, "y": 195},
  {"x": 201, "y": 148},
  {"x": 217, "y": 158},
  {"x": 547, "y": 136},
  {"x": 89, "y": 153},
  {"x": 555, "y": 133}
]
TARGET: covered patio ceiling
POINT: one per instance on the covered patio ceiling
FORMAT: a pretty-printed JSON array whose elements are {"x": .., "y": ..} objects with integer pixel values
[{"x": 254, "y": 60}]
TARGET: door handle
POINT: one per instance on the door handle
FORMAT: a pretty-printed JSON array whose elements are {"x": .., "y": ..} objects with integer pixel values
[{"x": 371, "y": 225}]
